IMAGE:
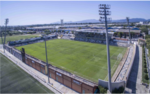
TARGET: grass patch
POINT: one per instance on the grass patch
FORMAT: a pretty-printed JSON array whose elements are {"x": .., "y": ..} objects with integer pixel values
[
  {"x": 17, "y": 37},
  {"x": 15, "y": 80},
  {"x": 145, "y": 78},
  {"x": 88, "y": 60}
]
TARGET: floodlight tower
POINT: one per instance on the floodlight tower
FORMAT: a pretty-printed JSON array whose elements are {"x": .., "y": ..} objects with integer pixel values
[
  {"x": 129, "y": 29},
  {"x": 6, "y": 22},
  {"x": 44, "y": 36},
  {"x": 61, "y": 22},
  {"x": 104, "y": 13}
]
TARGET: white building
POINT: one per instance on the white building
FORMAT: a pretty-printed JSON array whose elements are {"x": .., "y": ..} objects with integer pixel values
[{"x": 141, "y": 23}]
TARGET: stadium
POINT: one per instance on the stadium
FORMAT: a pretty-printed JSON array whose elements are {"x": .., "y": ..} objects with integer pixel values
[{"x": 77, "y": 63}]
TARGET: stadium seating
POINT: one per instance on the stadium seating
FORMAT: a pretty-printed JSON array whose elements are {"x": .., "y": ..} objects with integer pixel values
[{"x": 90, "y": 37}]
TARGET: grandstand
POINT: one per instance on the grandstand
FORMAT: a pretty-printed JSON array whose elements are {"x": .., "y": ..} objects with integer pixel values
[
  {"x": 30, "y": 40},
  {"x": 90, "y": 37}
]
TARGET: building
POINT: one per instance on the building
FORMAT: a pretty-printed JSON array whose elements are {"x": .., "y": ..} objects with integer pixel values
[
  {"x": 61, "y": 22},
  {"x": 148, "y": 31}
]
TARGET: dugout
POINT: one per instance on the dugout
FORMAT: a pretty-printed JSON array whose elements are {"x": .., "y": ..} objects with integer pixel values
[
  {"x": 72, "y": 81},
  {"x": 59, "y": 77},
  {"x": 76, "y": 85},
  {"x": 52, "y": 74},
  {"x": 67, "y": 81},
  {"x": 36, "y": 64}
]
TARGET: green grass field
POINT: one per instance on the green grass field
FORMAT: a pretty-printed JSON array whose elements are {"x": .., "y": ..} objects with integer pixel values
[
  {"x": 18, "y": 37},
  {"x": 15, "y": 80},
  {"x": 88, "y": 60}
]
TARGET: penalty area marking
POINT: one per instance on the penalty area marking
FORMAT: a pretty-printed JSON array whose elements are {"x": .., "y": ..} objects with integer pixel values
[{"x": 113, "y": 69}]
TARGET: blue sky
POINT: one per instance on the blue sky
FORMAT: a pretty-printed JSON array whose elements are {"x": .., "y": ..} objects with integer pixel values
[{"x": 42, "y": 12}]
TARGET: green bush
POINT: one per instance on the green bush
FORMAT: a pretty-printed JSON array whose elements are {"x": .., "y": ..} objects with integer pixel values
[
  {"x": 115, "y": 90},
  {"x": 119, "y": 90},
  {"x": 10, "y": 34},
  {"x": 145, "y": 70},
  {"x": 146, "y": 77},
  {"x": 145, "y": 66},
  {"x": 102, "y": 89}
]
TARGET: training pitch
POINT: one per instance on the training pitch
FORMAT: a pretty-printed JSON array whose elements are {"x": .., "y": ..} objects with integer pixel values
[
  {"x": 18, "y": 37},
  {"x": 15, "y": 80},
  {"x": 88, "y": 60}
]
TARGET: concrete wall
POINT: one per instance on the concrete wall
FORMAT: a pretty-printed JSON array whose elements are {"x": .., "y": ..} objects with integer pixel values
[
  {"x": 122, "y": 83},
  {"x": 114, "y": 84},
  {"x": 131, "y": 63}
]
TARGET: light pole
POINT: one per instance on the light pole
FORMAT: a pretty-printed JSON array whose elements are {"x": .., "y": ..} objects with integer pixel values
[
  {"x": 6, "y": 22},
  {"x": 46, "y": 58},
  {"x": 129, "y": 29},
  {"x": 104, "y": 12},
  {"x": 1, "y": 34}
]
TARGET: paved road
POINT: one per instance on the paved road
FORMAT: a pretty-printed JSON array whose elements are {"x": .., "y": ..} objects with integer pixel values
[{"x": 134, "y": 84}]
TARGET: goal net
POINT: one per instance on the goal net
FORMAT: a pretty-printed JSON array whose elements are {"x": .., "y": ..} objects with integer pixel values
[{"x": 119, "y": 57}]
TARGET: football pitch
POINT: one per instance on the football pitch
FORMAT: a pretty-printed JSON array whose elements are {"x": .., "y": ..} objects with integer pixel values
[
  {"x": 18, "y": 37},
  {"x": 15, "y": 80},
  {"x": 88, "y": 60}
]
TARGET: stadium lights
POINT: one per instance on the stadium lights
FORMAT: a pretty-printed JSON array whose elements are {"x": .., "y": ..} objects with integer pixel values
[
  {"x": 6, "y": 22},
  {"x": 129, "y": 29},
  {"x": 46, "y": 58},
  {"x": 104, "y": 12}
]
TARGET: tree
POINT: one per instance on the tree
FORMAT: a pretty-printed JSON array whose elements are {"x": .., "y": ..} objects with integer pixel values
[
  {"x": 72, "y": 32},
  {"x": 145, "y": 70},
  {"x": 125, "y": 35},
  {"x": 146, "y": 77},
  {"x": 144, "y": 29},
  {"x": 132, "y": 24},
  {"x": 120, "y": 34},
  {"x": 131, "y": 35},
  {"x": 10, "y": 34},
  {"x": 79, "y": 27},
  {"x": 115, "y": 34},
  {"x": 138, "y": 26},
  {"x": 46, "y": 30}
]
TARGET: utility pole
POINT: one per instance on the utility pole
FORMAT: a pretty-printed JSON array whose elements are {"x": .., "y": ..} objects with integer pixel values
[
  {"x": 46, "y": 59},
  {"x": 129, "y": 29},
  {"x": 6, "y": 22},
  {"x": 1, "y": 34},
  {"x": 104, "y": 12}
]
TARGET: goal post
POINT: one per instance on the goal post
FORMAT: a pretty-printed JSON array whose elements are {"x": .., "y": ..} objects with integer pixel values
[{"x": 119, "y": 57}]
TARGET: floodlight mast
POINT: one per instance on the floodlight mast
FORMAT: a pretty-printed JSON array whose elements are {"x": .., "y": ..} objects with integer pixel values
[
  {"x": 104, "y": 12},
  {"x": 6, "y": 22},
  {"x": 129, "y": 29},
  {"x": 46, "y": 58}
]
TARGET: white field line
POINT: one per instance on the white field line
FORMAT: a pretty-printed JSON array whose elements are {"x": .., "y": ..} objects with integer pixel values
[
  {"x": 41, "y": 87},
  {"x": 86, "y": 67},
  {"x": 113, "y": 68},
  {"x": 75, "y": 64},
  {"x": 79, "y": 69}
]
